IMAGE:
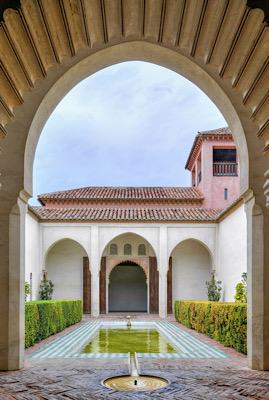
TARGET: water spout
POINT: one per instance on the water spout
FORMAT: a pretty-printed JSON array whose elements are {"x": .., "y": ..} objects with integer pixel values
[{"x": 129, "y": 321}]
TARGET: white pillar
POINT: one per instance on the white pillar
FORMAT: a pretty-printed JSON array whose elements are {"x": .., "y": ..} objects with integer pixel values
[
  {"x": 95, "y": 268},
  {"x": 255, "y": 269},
  {"x": 163, "y": 268},
  {"x": 95, "y": 293},
  {"x": 16, "y": 282},
  {"x": 163, "y": 294}
]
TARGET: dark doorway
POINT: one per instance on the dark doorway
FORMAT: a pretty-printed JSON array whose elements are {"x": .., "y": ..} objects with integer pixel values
[{"x": 127, "y": 289}]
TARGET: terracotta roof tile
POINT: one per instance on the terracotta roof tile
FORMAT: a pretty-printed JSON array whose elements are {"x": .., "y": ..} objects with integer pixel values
[
  {"x": 126, "y": 214},
  {"x": 124, "y": 193},
  {"x": 213, "y": 134},
  {"x": 219, "y": 131}
]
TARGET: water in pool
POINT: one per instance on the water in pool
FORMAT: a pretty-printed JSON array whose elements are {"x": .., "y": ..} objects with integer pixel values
[{"x": 124, "y": 340}]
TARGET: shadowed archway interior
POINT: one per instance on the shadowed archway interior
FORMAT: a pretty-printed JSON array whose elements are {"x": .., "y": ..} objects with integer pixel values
[{"x": 127, "y": 288}]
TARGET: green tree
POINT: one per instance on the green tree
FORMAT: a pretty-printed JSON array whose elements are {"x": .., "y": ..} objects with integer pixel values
[
  {"x": 213, "y": 288},
  {"x": 241, "y": 290},
  {"x": 27, "y": 290},
  {"x": 45, "y": 288}
]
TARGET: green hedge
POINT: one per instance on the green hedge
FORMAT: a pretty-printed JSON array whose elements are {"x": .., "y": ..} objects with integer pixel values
[
  {"x": 224, "y": 322},
  {"x": 44, "y": 318}
]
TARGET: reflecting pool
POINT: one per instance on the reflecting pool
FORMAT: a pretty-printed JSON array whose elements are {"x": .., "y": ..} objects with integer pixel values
[{"x": 124, "y": 340}]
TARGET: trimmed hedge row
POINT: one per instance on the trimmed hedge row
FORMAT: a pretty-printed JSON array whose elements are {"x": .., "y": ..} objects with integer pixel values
[
  {"x": 46, "y": 317},
  {"x": 224, "y": 322}
]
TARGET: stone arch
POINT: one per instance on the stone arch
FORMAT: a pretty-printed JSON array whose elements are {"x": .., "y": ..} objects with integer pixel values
[
  {"x": 223, "y": 43},
  {"x": 191, "y": 266},
  {"x": 125, "y": 260},
  {"x": 109, "y": 262},
  {"x": 144, "y": 51},
  {"x": 122, "y": 262},
  {"x": 64, "y": 267},
  {"x": 194, "y": 239},
  {"x": 54, "y": 242},
  {"x": 128, "y": 231}
]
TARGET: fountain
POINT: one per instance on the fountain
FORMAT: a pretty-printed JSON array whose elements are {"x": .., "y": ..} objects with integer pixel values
[
  {"x": 129, "y": 321},
  {"x": 135, "y": 381}
]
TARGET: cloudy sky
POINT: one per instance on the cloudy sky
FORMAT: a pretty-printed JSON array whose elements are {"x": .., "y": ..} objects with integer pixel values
[{"x": 130, "y": 124}]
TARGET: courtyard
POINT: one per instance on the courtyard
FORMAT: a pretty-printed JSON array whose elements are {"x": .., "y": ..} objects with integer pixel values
[
  {"x": 81, "y": 378},
  {"x": 134, "y": 197}
]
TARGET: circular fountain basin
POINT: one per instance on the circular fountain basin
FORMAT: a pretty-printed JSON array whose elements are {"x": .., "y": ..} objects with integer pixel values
[{"x": 135, "y": 383}]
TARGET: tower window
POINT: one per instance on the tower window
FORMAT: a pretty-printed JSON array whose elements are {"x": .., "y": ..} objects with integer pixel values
[
  {"x": 224, "y": 162},
  {"x": 225, "y": 194},
  {"x": 224, "y": 155}
]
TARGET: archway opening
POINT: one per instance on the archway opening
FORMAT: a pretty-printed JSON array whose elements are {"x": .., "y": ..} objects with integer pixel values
[
  {"x": 191, "y": 268},
  {"x": 64, "y": 267},
  {"x": 127, "y": 289}
]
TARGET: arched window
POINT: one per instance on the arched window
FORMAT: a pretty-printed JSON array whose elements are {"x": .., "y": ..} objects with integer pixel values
[
  {"x": 127, "y": 249},
  {"x": 113, "y": 249},
  {"x": 141, "y": 250}
]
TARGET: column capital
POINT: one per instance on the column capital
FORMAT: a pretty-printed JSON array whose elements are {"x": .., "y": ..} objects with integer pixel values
[{"x": 24, "y": 196}]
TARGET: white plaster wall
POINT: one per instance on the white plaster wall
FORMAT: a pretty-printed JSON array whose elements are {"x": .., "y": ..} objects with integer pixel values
[
  {"x": 32, "y": 253},
  {"x": 64, "y": 264},
  {"x": 232, "y": 251},
  {"x": 53, "y": 232},
  {"x": 205, "y": 233},
  {"x": 132, "y": 239},
  {"x": 192, "y": 264},
  {"x": 108, "y": 232}
]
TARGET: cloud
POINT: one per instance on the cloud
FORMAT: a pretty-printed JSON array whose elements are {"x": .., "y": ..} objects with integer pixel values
[{"x": 129, "y": 124}]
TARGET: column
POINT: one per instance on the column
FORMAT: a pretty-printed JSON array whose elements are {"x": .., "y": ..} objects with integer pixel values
[
  {"x": 163, "y": 268},
  {"x": 12, "y": 277},
  {"x": 95, "y": 268},
  {"x": 258, "y": 284}
]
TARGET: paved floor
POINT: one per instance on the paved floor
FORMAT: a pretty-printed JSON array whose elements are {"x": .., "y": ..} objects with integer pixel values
[{"x": 190, "y": 379}]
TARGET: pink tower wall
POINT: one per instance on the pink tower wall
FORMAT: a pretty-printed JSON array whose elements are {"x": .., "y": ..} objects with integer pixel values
[{"x": 211, "y": 186}]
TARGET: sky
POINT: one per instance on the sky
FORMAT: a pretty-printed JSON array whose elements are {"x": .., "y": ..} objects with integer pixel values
[{"x": 130, "y": 124}]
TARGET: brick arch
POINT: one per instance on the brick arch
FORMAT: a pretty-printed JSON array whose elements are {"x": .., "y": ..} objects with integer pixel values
[{"x": 141, "y": 262}]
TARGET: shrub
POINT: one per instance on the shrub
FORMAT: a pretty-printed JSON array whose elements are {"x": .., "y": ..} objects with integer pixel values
[
  {"x": 44, "y": 318},
  {"x": 27, "y": 290},
  {"x": 213, "y": 288},
  {"x": 241, "y": 290},
  {"x": 45, "y": 289},
  {"x": 224, "y": 322}
]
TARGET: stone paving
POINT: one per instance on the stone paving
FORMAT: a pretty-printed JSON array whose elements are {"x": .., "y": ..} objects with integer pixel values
[{"x": 205, "y": 379}]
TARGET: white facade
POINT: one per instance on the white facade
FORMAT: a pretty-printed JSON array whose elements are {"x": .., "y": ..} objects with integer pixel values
[
  {"x": 196, "y": 249},
  {"x": 231, "y": 251}
]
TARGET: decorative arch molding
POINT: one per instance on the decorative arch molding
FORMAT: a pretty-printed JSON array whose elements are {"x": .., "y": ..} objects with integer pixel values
[
  {"x": 144, "y": 51},
  {"x": 140, "y": 233},
  {"x": 112, "y": 262}
]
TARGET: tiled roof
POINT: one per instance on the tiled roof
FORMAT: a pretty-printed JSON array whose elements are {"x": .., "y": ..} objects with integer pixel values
[
  {"x": 125, "y": 193},
  {"x": 219, "y": 131},
  {"x": 126, "y": 214},
  {"x": 220, "y": 134}
]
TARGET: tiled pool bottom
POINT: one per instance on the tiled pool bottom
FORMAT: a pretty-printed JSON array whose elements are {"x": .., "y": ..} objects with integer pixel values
[{"x": 71, "y": 345}]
